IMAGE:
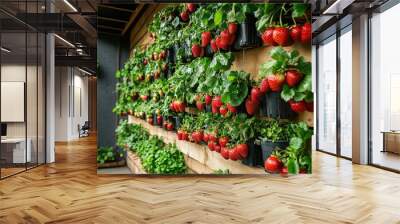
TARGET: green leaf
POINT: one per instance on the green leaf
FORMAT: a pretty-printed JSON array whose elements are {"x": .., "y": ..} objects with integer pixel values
[
  {"x": 279, "y": 54},
  {"x": 299, "y": 10},
  {"x": 287, "y": 93},
  {"x": 293, "y": 166},
  {"x": 175, "y": 22},
  {"x": 218, "y": 16},
  {"x": 296, "y": 143},
  {"x": 305, "y": 84}
]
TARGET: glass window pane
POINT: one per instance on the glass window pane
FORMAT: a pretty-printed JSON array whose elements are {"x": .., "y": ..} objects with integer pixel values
[
  {"x": 346, "y": 94},
  {"x": 327, "y": 96},
  {"x": 385, "y": 84}
]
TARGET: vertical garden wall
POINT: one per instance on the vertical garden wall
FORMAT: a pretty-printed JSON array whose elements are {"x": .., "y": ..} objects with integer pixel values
[{"x": 218, "y": 88}]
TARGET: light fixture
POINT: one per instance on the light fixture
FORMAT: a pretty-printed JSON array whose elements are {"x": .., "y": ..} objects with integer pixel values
[
  {"x": 84, "y": 71},
  {"x": 64, "y": 40},
  {"x": 5, "y": 49},
  {"x": 70, "y": 5}
]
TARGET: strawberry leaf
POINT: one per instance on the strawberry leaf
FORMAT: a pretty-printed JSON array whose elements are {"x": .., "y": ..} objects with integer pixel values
[
  {"x": 299, "y": 10},
  {"x": 287, "y": 93}
]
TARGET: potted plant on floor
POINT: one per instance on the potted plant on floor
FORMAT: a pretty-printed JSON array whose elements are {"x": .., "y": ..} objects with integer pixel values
[{"x": 274, "y": 136}]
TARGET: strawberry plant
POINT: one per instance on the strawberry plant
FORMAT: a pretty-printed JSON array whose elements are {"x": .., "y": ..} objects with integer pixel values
[{"x": 235, "y": 87}]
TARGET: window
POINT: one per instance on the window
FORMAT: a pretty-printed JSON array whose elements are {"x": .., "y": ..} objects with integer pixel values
[
  {"x": 385, "y": 89},
  {"x": 327, "y": 96}
]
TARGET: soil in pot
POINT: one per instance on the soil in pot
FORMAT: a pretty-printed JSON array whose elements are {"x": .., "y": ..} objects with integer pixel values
[
  {"x": 247, "y": 35},
  {"x": 269, "y": 146},
  {"x": 254, "y": 158},
  {"x": 273, "y": 106}
]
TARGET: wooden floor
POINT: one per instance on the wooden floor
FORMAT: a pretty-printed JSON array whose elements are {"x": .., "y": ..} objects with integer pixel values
[{"x": 69, "y": 191}]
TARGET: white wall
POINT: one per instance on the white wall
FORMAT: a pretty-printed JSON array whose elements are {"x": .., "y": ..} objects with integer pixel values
[{"x": 71, "y": 102}]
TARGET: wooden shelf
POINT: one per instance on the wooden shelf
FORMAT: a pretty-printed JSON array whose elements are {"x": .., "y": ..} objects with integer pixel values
[{"x": 198, "y": 157}]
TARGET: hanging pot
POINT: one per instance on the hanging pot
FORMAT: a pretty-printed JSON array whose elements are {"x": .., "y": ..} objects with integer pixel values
[
  {"x": 273, "y": 106},
  {"x": 208, "y": 51},
  {"x": 247, "y": 35},
  {"x": 268, "y": 147},
  {"x": 254, "y": 157},
  {"x": 171, "y": 56},
  {"x": 177, "y": 122}
]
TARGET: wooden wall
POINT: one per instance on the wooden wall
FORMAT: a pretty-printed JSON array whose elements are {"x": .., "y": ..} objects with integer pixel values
[{"x": 247, "y": 60}]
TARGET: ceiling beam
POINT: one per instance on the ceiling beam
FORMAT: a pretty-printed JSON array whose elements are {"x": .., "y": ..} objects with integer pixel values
[
  {"x": 112, "y": 19},
  {"x": 132, "y": 18},
  {"x": 109, "y": 27},
  {"x": 115, "y": 8}
]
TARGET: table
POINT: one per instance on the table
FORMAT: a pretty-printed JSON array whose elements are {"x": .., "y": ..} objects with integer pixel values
[
  {"x": 16, "y": 147},
  {"x": 391, "y": 141}
]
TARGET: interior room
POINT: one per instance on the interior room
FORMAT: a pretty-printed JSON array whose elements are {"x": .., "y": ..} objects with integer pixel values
[{"x": 120, "y": 111}]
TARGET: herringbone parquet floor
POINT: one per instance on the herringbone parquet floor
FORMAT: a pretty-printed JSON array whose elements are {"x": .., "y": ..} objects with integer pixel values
[{"x": 69, "y": 191}]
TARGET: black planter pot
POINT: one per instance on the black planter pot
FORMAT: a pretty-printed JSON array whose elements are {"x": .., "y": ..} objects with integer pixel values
[
  {"x": 247, "y": 35},
  {"x": 273, "y": 106},
  {"x": 170, "y": 72},
  {"x": 208, "y": 51},
  {"x": 254, "y": 158},
  {"x": 175, "y": 50},
  {"x": 177, "y": 122},
  {"x": 171, "y": 56},
  {"x": 188, "y": 52},
  {"x": 208, "y": 108},
  {"x": 268, "y": 146}
]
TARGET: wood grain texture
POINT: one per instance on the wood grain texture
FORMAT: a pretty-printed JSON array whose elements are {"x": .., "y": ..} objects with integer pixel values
[{"x": 69, "y": 191}]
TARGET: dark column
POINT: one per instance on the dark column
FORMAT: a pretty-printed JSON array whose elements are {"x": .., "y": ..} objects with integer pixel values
[{"x": 112, "y": 52}]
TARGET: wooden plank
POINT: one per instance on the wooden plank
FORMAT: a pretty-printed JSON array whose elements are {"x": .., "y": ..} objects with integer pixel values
[
  {"x": 134, "y": 164},
  {"x": 200, "y": 153},
  {"x": 132, "y": 18}
]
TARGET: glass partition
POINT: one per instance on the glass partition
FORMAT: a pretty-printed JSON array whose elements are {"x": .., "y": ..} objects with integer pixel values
[
  {"x": 385, "y": 90},
  {"x": 327, "y": 96}
]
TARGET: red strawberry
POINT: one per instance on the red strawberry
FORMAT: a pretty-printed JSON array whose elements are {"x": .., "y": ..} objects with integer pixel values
[
  {"x": 212, "y": 138},
  {"x": 298, "y": 107},
  {"x": 295, "y": 33},
  {"x": 150, "y": 120},
  {"x": 275, "y": 82},
  {"x": 284, "y": 171},
  {"x": 214, "y": 46},
  {"x": 179, "y": 134},
  {"x": 243, "y": 150},
  {"x": 191, "y": 7},
  {"x": 220, "y": 44},
  {"x": 267, "y": 37},
  {"x": 172, "y": 106},
  {"x": 214, "y": 110},
  {"x": 162, "y": 55},
  {"x": 205, "y": 38},
  {"x": 205, "y": 137},
  {"x": 144, "y": 97},
  {"x": 217, "y": 148},
  {"x": 200, "y": 105},
  {"x": 145, "y": 61},
  {"x": 208, "y": 99},
  {"x": 224, "y": 152},
  {"x": 232, "y": 28},
  {"x": 223, "y": 110},
  {"x": 293, "y": 77},
  {"x": 185, "y": 136},
  {"x": 231, "y": 108},
  {"x": 184, "y": 16},
  {"x": 251, "y": 106},
  {"x": 281, "y": 35},
  {"x": 217, "y": 102},
  {"x": 179, "y": 106},
  {"x": 255, "y": 94},
  {"x": 159, "y": 119},
  {"x": 234, "y": 154},
  {"x": 170, "y": 126},
  {"x": 232, "y": 40},
  {"x": 305, "y": 37},
  {"x": 264, "y": 86},
  {"x": 211, "y": 145},
  {"x": 225, "y": 37},
  {"x": 197, "y": 51},
  {"x": 197, "y": 136},
  {"x": 223, "y": 141},
  {"x": 310, "y": 106}
]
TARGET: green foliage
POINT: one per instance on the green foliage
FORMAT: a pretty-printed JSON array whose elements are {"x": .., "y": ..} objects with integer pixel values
[
  {"x": 275, "y": 131},
  {"x": 235, "y": 87},
  {"x": 108, "y": 154}
]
